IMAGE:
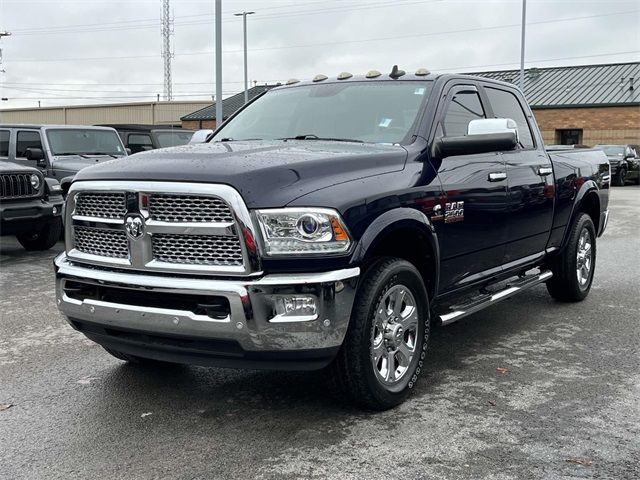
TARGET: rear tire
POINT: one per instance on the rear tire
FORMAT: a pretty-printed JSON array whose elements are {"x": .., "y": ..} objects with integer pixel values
[
  {"x": 573, "y": 270},
  {"x": 386, "y": 343},
  {"x": 42, "y": 239}
]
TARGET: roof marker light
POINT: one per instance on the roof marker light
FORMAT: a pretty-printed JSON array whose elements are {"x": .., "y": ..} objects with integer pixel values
[
  {"x": 320, "y": 77},
  {"x": 291, "y": 81},
  {"x": 421, "y": 72},
  {"x": 344, "y": 75},
  {"x": 373, "y": 74}
]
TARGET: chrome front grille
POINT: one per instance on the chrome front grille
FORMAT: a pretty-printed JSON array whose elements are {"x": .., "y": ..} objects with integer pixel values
[
  {"x": 161, "y": 227},
  {"x": 197, "y": 249},
  {"x": 188, "y": 208},
  {"x": 102, "y": 242},
  {"x": 101, "y": 205},
  {"x": 16, "y": 185}
]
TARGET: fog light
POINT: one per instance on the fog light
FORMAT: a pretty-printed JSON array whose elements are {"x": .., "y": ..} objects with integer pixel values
[{"x": 294, "y": 308}]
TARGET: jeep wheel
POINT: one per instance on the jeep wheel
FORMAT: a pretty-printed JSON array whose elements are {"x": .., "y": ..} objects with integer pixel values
[
  {"x": 42, "y": 239},
  {"x": 385, "y": 346},
  {"x": 621, "y": 177},
  {"x": 573, "y": 269}
]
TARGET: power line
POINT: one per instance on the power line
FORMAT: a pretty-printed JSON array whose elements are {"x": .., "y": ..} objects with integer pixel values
[
  {"x": 341, "y": 42},
  {"x": 154, "y": 23},
  {"x": 144, "y": 95}
]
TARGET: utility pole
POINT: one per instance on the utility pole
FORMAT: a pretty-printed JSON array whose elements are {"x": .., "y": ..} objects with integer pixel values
[
  {"x": 218, "y": 63},
  {"x": 524, "y": 22},
  {"x": 167, "y": 54},
  {"x": 244, "y": 30}
]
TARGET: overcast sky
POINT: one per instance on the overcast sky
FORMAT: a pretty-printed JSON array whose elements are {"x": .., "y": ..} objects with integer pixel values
[{"x": 98, "y": 51}]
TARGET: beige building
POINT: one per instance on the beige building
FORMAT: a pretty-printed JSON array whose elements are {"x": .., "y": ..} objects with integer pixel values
[{"x": 154, "y": 113}]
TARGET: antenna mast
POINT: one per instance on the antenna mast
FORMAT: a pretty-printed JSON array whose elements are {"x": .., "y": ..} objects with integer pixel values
[{"x": 167, "y": 55}]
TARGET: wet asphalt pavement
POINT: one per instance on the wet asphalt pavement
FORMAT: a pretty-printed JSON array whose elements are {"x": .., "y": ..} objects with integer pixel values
[{"x": 567, "y": 406}]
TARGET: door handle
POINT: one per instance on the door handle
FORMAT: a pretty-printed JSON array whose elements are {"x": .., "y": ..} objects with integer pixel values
[
  {"x": 544, "y": 171},
  {"x": 497, "y": 176}
]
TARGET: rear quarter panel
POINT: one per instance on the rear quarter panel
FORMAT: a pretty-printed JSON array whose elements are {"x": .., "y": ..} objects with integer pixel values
[{"x": 577, "y": 173}]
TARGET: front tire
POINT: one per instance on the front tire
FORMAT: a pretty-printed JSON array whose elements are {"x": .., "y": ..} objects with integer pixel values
[
  {"x": 621, "y": 177},
  {"x": 42, "y": 239},
  {"x": 573, "y": 270},
  {"x": 386, "y": 343}
]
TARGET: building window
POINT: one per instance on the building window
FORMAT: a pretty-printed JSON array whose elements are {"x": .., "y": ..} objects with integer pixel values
[{"x": 569, "y": 137}]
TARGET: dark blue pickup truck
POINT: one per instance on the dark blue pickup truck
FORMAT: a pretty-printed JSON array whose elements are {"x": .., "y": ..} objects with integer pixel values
[{"x": 328, "y": 225}]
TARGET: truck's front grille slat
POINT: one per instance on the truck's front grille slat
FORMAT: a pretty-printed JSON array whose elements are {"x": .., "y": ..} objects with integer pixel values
[
  {"x": 188, "y": 208},
  {"x": 197, "y": 249},
  {"x": 101, "y": 205},
  {"x": 102, "y": 242},
  {"x": 16, "y": 185}
]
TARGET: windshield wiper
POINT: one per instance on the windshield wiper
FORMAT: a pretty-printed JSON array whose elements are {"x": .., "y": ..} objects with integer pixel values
[
  {"x": 313, "y": 136},
  {"x": 229, "y": 139},
  {"x": 67, "y": 154},
  {"x": 107, "y": 154}
]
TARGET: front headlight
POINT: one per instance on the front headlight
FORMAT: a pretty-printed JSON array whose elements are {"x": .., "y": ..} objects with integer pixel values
[
  {"x": 35, "y": 181},
  {"x": 302, "y": 231}
]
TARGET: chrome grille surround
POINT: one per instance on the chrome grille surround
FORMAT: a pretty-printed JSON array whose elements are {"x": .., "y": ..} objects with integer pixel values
[
  {"x": 17, "y": 185},
  {"x": 205, "y": 242},
  {"x": 101, "y": 205},
  {"x": 188, "y": 208}
]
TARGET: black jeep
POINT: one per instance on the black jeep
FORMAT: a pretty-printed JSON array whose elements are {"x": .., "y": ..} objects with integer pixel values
[{"x": 30, "y": 206}]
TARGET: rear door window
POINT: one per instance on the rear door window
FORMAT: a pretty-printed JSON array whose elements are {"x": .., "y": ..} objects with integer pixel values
[
  {"x": 27, "y": 139},
  {"x": 506, "y": 105}
]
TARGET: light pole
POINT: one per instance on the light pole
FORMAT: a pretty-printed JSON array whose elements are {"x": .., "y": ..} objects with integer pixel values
[
  {"x": 218, "y": 63},
  {"x": 524, "y": 20},
  {"x": 244, "y": 30}
]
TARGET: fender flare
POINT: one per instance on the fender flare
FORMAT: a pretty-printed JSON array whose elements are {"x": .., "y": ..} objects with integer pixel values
[
  {"x": 587, "y": 188},
  {"x": 396, "y": 219},
  {"x": 65, "y": 183}
]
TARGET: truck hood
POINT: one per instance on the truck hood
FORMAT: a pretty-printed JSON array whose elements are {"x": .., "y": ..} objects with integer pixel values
[
  {"x": 267, "y": 174},
  {"x": 75, "y": 163}
]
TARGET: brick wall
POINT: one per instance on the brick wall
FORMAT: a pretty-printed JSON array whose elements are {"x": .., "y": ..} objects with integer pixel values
[
  {"x": 199, "y": 124},
  {"x": 598, "y": 124}
]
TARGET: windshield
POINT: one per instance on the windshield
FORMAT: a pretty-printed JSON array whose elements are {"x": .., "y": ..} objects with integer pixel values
[
  {"x": 173, "y": 138},
  {"x": 611, "y": 150},
  {"x": 76, "y": 141},
  {"x": 377, "y": 112}
]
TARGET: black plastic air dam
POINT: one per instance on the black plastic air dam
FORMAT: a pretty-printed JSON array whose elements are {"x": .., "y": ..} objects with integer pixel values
[{"x": 203, "y": 352}]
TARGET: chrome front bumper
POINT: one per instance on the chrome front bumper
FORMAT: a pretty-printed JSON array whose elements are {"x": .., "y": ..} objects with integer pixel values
[{"x": 250, "y": 323}]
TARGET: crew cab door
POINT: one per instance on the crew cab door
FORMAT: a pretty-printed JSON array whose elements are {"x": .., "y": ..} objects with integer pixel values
[
  {"x": 529, "y": 179},
  {"x": 473, "y": 217}
]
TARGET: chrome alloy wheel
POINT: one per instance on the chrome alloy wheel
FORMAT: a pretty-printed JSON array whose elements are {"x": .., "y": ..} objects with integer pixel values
[
  {"x": 394, "y": 335},
  {"x": 584, "y": 258}
]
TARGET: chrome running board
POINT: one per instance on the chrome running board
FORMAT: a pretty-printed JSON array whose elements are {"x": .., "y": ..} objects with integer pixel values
[{"x": 456, "y": 312}]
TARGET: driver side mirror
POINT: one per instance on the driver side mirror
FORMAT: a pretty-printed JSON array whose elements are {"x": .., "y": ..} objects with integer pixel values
[
  {"x": 483, "y": 136},
  {"x": 35, "y": 154}
]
